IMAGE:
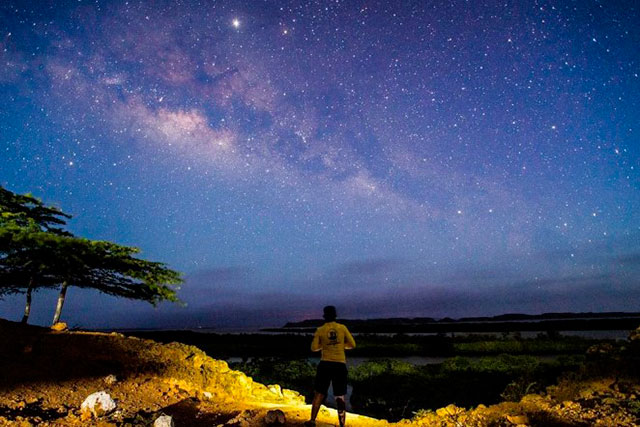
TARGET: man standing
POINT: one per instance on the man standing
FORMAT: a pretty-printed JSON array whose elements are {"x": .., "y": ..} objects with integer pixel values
[{"x": 332, "y": 339}]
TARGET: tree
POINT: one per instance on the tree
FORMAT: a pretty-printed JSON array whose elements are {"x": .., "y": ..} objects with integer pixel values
[
  {"x": 26, "y": 210},
  {"x": 23, "y": 219},
  {"x": 36, "y": 252},
  {"x": 112, "y": 269},
  {"x": 26, "y": 261}
]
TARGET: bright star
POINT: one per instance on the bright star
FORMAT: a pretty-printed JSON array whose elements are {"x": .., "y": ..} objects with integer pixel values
[{"x": 235, "y": 23}]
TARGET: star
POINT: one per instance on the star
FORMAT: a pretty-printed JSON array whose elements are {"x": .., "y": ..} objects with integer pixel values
[{"x": 235, "y": 23}]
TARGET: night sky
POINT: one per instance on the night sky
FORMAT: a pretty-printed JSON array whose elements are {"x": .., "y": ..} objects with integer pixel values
[{"x": 423, "y": 158}]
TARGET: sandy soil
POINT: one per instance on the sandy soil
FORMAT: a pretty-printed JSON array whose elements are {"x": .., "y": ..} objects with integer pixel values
[{"x": 45, "y": 375}]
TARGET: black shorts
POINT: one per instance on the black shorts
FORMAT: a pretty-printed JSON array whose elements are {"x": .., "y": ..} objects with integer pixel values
[{"x": 334, "y": 373}]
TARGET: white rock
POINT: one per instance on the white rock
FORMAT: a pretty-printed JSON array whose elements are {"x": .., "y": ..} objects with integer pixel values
[
  {"x": 98, "y": 403},
  {"x": 207, "y": 395},
  {"x": 163, "y": 421}
]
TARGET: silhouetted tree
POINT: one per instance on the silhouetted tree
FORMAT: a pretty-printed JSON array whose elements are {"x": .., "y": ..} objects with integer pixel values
[
  {"x": 112, "y": 269},
  {"x": 36, "y": 252},
  {"x": 23, "y": 258},
  {"x": 26, "y": 210},
  {"x": 26, "y": 261}
]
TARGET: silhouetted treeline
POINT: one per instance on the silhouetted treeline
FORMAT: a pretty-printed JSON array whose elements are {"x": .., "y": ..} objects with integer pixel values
[{"x": 502, "y": 323}]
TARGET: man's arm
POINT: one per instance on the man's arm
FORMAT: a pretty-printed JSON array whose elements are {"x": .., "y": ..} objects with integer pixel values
[
  {"x": 349, "y": 342},
  {"x": 315, "y": 344}
]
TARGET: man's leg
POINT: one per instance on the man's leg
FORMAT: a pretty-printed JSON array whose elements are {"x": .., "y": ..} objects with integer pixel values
[
  {"x": 318, "y": 398},
  {"x": 320, "y": 388},
  {"x": 340, "y": 390},
  {"x": 342, "y": 410}
]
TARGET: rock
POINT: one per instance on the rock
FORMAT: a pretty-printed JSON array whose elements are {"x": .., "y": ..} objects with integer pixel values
[
  {"x": 276, "y": 389},
  {"x": 449, "y": 411},
  {"x": 275, "y": 418},
  {"x": 163, "y": 421},
  {"x": 60, "y": 326},
  {"x": 241, "y": 420},
  {"x": 207, "y": 395},
  {"x": 110, "y": 379},
  {"x": 117, "y": 415},
  {"x": 97, "y": 404},
  {"x": 518, "y": 419}
]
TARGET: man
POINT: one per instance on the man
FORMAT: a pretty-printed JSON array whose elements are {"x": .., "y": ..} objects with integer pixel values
[{"x": 332, "y": 339}]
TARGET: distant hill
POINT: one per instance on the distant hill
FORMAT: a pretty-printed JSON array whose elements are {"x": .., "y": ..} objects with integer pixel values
[{"x": 501, "y": 323}]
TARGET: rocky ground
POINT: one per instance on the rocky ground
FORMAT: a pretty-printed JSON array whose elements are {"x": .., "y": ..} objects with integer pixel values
[{"x": 46, "y": 375}]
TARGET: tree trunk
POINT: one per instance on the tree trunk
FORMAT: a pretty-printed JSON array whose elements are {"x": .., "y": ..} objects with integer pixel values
[
  {"x": 27, "y": 307},
  {"x": 63, "y": 293}
]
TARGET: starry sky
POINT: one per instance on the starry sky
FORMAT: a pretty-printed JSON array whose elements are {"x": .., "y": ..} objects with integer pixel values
[{"x": 393, "y": 158}]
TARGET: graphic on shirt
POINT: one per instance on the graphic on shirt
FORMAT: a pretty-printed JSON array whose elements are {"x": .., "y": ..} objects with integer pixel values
[{"x": 333, "y": 337}]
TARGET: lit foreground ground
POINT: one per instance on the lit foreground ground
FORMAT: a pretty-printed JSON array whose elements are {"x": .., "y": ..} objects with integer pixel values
[{"x": 46, "y": 375}]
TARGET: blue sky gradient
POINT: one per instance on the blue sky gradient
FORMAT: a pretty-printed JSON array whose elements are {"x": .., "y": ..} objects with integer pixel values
[{"x": 444, "y": 158}]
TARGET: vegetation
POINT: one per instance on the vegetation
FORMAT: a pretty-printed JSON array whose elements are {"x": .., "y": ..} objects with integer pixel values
[
  {"x": 393, "y": 389},
  {"x": 550, "y": 343},
  {"x": 22, "y": 218},
  {"x": 36, "y": 252},
  {"x": 297, "y": 346},
  {"x": 474, "y": 372}
]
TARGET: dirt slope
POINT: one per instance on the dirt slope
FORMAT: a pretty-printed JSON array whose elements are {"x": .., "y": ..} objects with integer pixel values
[{"x": 46, "y": 375}]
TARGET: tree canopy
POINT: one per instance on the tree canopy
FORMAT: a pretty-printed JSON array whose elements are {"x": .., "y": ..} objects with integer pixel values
[
  {"x": 36, "y": 252},
  {"x": 26, "y": 210}
]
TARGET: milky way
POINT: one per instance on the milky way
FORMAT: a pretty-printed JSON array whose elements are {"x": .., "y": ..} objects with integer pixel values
[{"x": 442, "y": 158}]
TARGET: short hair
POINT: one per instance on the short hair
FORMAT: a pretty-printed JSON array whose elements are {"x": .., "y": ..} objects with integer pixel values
[{"x": 329, "y": 313}]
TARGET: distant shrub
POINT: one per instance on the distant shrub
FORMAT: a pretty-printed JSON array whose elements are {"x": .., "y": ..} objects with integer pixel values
[
  {"x": 504, "y": 363},
  {"x": 543, "y": 344},
  {"x": 373, "y": 368},
  {"x": 457, "y": 363}
]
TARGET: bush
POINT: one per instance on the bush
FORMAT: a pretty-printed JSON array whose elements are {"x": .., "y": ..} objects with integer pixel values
[{"x": 392, "y": 389}]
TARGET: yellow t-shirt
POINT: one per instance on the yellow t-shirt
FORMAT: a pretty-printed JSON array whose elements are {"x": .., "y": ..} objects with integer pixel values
[{"x": 332, "y": 338}]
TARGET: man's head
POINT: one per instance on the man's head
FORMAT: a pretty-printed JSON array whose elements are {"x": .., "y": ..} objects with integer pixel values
[{"x": 329, "y": 313}]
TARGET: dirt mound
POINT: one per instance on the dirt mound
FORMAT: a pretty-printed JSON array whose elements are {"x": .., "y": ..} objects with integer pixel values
[
  {"x": 39, "y": 354},
  {"x": 45, "y": 375}
]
